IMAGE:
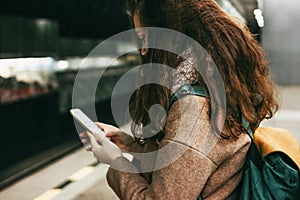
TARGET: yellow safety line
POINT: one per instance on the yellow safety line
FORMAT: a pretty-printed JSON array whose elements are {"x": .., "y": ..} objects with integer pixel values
[
  {"x": 50, "y": 194},
  {"x": 82, "y": 173}
]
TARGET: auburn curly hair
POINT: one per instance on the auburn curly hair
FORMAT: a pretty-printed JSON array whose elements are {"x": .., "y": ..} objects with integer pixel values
[{"x": 239, "y": 58}]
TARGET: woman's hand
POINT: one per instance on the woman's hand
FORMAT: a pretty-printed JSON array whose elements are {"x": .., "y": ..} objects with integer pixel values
[
  {"x": 103, "y": 149},
  {"x": 121, "y": 139}
]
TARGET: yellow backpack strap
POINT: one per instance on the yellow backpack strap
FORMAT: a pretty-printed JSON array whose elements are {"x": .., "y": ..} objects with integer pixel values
[{"x": 269, "y": 140}]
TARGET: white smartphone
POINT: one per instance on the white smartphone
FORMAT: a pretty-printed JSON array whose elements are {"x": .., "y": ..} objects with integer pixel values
[
  {"x": 86, "y": 122},
  {"x": 90, "y": 126}
]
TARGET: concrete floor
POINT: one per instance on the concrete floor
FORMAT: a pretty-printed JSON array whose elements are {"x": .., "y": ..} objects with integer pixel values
[{"x": 76, "y": 167}]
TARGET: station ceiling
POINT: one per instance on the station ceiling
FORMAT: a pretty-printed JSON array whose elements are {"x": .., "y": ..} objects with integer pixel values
[{"x": 88, "y": 18}]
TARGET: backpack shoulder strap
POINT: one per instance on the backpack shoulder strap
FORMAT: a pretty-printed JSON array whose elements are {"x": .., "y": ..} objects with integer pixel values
[
  {"x": 246, "y": 125},
  {"x": 187, "y": 90}
]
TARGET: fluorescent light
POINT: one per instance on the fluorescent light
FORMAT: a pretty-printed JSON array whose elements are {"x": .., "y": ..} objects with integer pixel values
[{"x": 259, "y": 17}]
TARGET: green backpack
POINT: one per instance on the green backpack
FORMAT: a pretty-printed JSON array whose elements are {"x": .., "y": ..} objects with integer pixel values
[{"x": 272, "y": 167}]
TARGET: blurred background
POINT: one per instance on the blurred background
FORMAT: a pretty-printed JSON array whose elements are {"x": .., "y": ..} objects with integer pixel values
[{"x": 42, "y": 45}]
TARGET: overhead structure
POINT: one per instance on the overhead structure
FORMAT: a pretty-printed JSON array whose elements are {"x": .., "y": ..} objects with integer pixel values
[{"x": 97, "y": 18}]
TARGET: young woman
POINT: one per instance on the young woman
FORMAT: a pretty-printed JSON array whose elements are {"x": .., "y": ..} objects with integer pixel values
[{"x": 211, "y": 165}]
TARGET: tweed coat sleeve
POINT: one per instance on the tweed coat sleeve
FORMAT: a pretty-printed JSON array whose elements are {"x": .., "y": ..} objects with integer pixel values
[{"x": 188, "y": 169}]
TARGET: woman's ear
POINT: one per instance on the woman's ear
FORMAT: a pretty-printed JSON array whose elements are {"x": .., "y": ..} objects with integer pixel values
[
  {"x": 142, "y": 34},
  {"x": 145, "y": 45},
  {"x": 144, "y": 51}
]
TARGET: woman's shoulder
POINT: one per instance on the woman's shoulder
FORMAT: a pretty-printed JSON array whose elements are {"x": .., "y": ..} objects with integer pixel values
[
  {"x": 185, "y": 113},
  {"x": 190, "y": 106},
  {"x": 187, "y": 120},
  {"x": 188, "y": 123}
]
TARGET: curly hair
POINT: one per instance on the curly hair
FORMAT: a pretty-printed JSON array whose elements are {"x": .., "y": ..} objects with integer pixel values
[{"x": 239, "y": 58}]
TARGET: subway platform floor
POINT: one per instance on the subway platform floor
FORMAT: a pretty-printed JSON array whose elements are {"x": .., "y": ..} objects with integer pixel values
[
  {"x": 75, "y": 176},
  {"x": 78, "y": 176}
]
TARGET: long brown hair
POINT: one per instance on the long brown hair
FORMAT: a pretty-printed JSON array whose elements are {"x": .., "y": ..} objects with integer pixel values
[{"x": 238, "y": 56}]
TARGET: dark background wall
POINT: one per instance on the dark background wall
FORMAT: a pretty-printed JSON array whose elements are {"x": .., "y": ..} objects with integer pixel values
[{"x": 59, "y": 28}]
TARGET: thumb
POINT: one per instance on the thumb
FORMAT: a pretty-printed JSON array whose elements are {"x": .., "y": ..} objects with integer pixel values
[
  {"x": 93, "y": 139},
  {"x": 100, "y": 137}
]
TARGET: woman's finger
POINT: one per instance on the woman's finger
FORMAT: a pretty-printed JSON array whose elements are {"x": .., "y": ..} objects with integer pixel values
[
  {"x": 83, "y": 134},
  {"x": 89, "y": 149},
  {"x": 112, "y": 134},
  {"x": 85, "y": 141},
  {"x": 93, "y": 139},
  {"x": 101, "y": 125},
  {"x": 99, "y": 137}
]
